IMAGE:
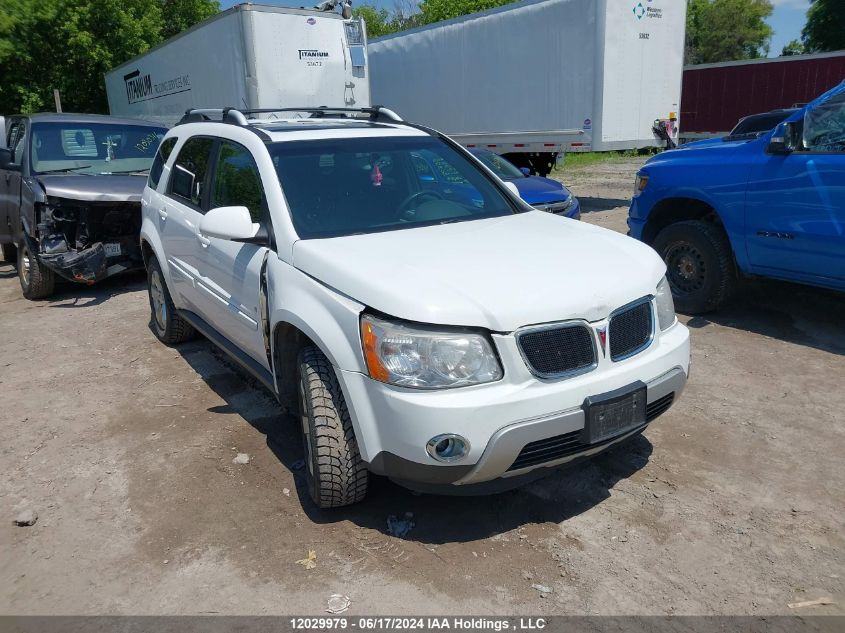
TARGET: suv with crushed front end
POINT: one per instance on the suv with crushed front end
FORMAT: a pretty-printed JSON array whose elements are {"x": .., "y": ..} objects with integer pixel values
[
  {"x": 70, "y": 196},
  {"x": 423, "y": 329}
]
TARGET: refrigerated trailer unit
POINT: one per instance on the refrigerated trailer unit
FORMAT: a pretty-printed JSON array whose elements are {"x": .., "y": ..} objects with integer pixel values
[
  {"x": 537, "y": 78},
  {"x": 248, "y": 57}
]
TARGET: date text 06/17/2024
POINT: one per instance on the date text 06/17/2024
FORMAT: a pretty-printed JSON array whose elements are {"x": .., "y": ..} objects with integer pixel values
[{"x": 418, "y": 623}]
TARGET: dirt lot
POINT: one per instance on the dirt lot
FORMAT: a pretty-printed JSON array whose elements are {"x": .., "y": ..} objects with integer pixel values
[{"x": 732, "y": 503}]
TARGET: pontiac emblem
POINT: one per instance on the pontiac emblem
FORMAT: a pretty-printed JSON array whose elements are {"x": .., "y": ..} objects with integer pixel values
[{"x": 602, "y": 331}]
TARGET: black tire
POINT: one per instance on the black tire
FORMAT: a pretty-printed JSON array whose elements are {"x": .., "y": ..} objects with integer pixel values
[
  {"x": 37, "y": 281},
  {"x": 335, "y": 472},
  {"x": 700, "y": 265},
  {"x": 168, "y": 326},
  {"x": 10, "y": 254}
]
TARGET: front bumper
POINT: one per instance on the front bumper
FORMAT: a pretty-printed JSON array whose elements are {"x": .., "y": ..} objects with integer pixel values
[
  {"x": 91, "y": 264},
  {"x": 574, "y": 211},
  {"x": 637, "y": 217},
  {"x": 393, "y": 425}
]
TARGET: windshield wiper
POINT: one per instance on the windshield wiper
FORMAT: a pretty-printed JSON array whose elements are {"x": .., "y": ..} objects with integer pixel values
[
  {"x": 139, "y": 172},
  {"x": 65, "y": 170}
]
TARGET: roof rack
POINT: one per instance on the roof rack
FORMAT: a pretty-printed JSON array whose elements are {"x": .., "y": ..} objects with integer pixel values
[{"x": 236, "y": 116}]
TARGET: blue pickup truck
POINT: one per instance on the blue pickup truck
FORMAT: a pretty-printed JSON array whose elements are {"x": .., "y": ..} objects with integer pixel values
[{"x": 771, "y": 206}]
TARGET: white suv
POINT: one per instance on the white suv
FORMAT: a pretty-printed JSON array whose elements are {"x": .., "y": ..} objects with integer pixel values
[{"x": 438, "y": 331}]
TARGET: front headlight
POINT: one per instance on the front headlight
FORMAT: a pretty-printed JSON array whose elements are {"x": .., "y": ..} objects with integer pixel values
[
  {"x": 426, "y": 358},
  {"x": 665, "y": 305}
]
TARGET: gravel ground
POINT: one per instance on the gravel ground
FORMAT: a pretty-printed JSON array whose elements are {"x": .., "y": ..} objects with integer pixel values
[{"x": 732, "y": 503}]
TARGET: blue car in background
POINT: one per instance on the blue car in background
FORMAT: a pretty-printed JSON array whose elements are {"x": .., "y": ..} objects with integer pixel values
[
  {"x": 543, "y": 193},
  {"x": 772, "y": 205}
]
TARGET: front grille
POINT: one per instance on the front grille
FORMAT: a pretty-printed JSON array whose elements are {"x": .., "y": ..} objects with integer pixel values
[
  {"x": 630, "y": 331},
  {"x": 559, "y": 350},
  {"x": 554, "y": 207},
  {"x": 560, "y": 446}
]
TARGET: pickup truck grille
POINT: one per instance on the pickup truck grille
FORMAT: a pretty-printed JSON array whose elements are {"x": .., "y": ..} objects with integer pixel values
[
  {"x": 556, "y": 351},
  {"x": 559, "y": 446},
  {"x": 630, "y": 330}
]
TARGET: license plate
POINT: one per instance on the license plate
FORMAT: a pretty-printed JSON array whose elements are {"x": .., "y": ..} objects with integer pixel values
[
  {"x": 112, "y": 250},
  {"x": 614, "y": 413}
]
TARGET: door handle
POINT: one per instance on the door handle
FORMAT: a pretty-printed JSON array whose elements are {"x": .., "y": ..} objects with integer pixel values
[
  {"x": 203, "y": 240},
  {"x": 162, "y": 213}
]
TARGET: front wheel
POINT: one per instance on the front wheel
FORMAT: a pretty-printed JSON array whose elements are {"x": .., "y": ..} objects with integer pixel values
[
  {"x": 335, "y": 472},
  {"x": 169, "y": 327},
  {"x": 10, "y": 253},
  {"x": 699, "y": 265},
  {"x": 37, "y": 281}
]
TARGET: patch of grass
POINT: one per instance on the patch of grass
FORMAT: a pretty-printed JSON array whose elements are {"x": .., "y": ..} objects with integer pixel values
[{"x": 581, "y": 160}]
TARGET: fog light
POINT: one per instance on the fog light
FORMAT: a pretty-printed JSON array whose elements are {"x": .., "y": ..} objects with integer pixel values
[{"x": 447, "y": 448}]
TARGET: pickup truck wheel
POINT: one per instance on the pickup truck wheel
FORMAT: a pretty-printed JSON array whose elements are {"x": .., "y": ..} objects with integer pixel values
[
  {"x": 699, "y": 265},
  {"x": 10, "y": 254},
  {"x": 169, "y": 327},
  {"x": 335, "y": 472},
  {"x": 37, "y": 281}
]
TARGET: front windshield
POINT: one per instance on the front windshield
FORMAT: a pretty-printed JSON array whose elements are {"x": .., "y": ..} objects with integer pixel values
[
  {"x": 824, "y": 126},
  {"x": 341, "y": 187},
  {"x": 93, "y": 148},
  {"x": 498, "y": 165}
]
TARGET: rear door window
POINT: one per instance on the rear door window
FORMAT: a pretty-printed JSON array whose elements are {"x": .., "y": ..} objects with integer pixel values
[{"x": 162, "y": 155}]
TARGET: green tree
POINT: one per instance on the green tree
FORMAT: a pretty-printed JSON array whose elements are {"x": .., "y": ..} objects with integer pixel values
[
  {"x": 825, "y": 28},
  {"x": 727, "y": 30},
  {"x": 795, "y": 47},
  {"x": 378, "y": 21},
  {"x": 179, "y": 15},
  {"x": 69, "y": 44},
  {"x": 437, "y": 10}
]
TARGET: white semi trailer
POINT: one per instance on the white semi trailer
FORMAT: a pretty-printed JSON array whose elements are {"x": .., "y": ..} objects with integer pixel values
[
  {"x": 248, "y": 57},
  {"x": 537, "y": 78}
]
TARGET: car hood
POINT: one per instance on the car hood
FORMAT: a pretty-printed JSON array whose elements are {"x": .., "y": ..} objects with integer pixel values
[
  {"x": 703, "y": 142},
  {"x": 499, "y": 273},
  {"x": 704, "y": 150},
  {"x": 94, "y": 188},
  {"x": 536, "y": 189}
]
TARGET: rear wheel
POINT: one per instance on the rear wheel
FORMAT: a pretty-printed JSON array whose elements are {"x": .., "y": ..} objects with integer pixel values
[
  {"x": 167, "y": 324},
  {"x": 699, "y": 265},
  {"x": 37, "y": 281},
  {"x": 335, "y": 472}
]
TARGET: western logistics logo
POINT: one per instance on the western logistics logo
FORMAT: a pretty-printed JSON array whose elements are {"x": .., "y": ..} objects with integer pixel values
[
  {"x": 141, "y": 87},
  {"x": 647, "y": 11}
]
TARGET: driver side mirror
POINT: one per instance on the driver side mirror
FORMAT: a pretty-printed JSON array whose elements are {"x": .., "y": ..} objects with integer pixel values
[
  {"x": 229, "y": 223},
  {"x": 5, "y": 158},
  {"x": 525, "y": 171},
  {"x": 786, "y": 139}
]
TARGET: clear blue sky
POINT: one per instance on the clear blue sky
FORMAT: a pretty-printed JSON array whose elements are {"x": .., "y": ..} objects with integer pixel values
[{"x": 787, "y": 19}]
